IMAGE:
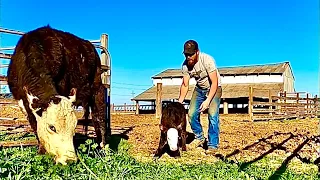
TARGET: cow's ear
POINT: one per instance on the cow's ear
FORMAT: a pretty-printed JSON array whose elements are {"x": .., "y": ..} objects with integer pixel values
[
  {"x": 179, "y": 126},
  {"x": 72, "y": 95},
  {"x": 31, "y": 99}
]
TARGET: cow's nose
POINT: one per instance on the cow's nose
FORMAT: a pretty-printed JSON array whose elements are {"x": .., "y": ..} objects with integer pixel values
[
  {"x": 67, "y": 158},
  {"x": 71, "y": 156},
  {"x": 173, "y": 148}
]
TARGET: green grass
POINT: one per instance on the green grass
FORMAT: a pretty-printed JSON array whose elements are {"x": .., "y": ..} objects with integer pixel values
[
  {"x": 25, "y": 163},
  {"x": 16, "y": 136}
]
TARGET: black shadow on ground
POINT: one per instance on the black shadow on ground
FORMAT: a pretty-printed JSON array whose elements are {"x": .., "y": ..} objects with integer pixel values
[
  {"x": 277, "y": 174},
  {"x": 114, "y": 140},
  {"x": 190, "y": 137},
  {"x": 274, "y": 147},
  {"x": 237, "y": 151},
  {"x": 316, "y": 140},
  {"x": 166, "y": 149}
]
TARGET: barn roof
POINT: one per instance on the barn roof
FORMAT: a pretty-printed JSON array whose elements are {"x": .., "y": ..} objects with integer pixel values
[
  {"x": 274, "y": 68},
  {"x": 228, "y": 91}
]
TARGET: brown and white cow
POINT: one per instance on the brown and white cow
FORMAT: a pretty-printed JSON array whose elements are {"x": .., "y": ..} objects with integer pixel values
[{"x": 50, "y": 72}]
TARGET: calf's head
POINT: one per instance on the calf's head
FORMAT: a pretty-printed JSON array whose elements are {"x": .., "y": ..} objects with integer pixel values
[
  {"x": 172, "y": 137},
  {"x": 56, "y": 126}
]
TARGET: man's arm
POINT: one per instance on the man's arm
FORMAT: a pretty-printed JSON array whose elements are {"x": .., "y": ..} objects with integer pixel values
[
  {"x": 214, "y": 79},
  {"x": 211, "y": 68},
  {"x": 184, "y": 88},
  {"x": 213, "y": 89}
]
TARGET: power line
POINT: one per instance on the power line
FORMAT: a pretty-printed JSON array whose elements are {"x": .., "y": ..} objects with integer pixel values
[
  {"x": 130, "y": 84},
  {"x": 116, "y": 87},
  {"x": 127, "y": 95},
  {"x": 133, "y": 96}
]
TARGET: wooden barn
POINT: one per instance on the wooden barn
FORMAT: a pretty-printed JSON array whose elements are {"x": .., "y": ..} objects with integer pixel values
[{"x": 235, "y": 85}]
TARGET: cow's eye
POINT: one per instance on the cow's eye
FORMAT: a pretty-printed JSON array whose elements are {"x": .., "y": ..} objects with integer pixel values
[{"x": 52, "y": 128}]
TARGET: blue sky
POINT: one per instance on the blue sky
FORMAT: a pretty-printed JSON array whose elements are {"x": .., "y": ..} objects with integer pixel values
[{"x": 147, "y": 37}]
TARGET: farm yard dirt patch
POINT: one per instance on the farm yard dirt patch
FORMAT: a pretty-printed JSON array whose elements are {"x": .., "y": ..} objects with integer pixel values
[{"x": 239, "y": 140}]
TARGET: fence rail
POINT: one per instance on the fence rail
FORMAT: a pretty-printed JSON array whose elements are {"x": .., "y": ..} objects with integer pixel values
[
  {"x": 134, "y": 109},
  {"x": 284, "y": 106},
  {"x": 101, "y": 44}
]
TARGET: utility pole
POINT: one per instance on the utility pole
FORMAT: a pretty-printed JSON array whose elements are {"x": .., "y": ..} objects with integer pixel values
[{"x": 133, "y": 96}]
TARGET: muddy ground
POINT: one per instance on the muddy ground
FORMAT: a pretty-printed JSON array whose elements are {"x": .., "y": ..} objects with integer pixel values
[{"x": 239, "y": 139}]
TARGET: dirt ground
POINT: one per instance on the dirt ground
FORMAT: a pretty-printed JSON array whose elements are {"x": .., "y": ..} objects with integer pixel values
[
  {"x": 239, "y": 139},
  {"x": 256, "y": 137}
]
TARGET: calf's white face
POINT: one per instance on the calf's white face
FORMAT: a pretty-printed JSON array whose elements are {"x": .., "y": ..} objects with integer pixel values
[
  {"x": 172, "y": 139},
  {"x": 56, "y": 127}
]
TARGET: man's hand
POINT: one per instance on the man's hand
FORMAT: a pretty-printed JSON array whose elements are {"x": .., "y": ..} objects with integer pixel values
[
  {"x": 184, "y": 88},
  {"x": 204, "y": 105}
]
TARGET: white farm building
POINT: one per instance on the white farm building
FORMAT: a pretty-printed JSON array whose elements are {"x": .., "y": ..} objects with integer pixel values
[{"x": 235, "y": 85}]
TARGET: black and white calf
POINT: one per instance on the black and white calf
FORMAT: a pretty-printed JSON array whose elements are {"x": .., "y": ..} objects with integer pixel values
[{"x": 173, "y": 128}]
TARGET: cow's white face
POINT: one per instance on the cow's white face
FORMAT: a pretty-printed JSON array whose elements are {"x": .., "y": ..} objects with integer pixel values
[
  {"x": 172, "y": 139},
  {"x": 56, "y": 127}
]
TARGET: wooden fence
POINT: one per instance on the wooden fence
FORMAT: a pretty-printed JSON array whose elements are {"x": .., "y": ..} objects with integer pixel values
[
  {"x": 101, "y": 44},
  {"x": 136, "y": 109},
  {"x": 282, "y": 106},
  {"x": 130, "y": 109}
]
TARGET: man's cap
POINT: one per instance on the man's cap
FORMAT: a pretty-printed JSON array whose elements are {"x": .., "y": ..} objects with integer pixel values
[{"x": 190, "y": 47}]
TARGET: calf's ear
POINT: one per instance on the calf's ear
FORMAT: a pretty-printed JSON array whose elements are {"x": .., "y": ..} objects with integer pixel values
[{"x": 179, "y": 126}]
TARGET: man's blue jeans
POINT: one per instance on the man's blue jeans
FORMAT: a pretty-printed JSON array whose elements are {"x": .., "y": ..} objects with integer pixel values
[{"x": 198, "y": 96}]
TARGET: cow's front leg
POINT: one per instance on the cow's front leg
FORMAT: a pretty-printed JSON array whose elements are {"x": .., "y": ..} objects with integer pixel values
[
  {"x": 162, "y": 143},
  {"x": 98, "y": 116},
  {"x": 86, "y": 114},
  {"x": 184, "y": 140}
]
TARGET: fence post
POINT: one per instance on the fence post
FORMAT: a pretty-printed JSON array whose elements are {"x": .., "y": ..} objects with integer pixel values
[
  {"x": 285, "y": 104},
  {"x": 158, "y": 100},
  {"x": 316, "y": 108},
  {"x": 307, "y": 110},
  {"x": 225, "y": 107},
  {"x": 112, "y": 108},
  {"x": 250, "y": 103},
  {"x": 105, "y": 77},
  {"x": 270, "y": 102},
  {"x": 299, "y": 111},
  {"x": 137, "y": 107}
]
